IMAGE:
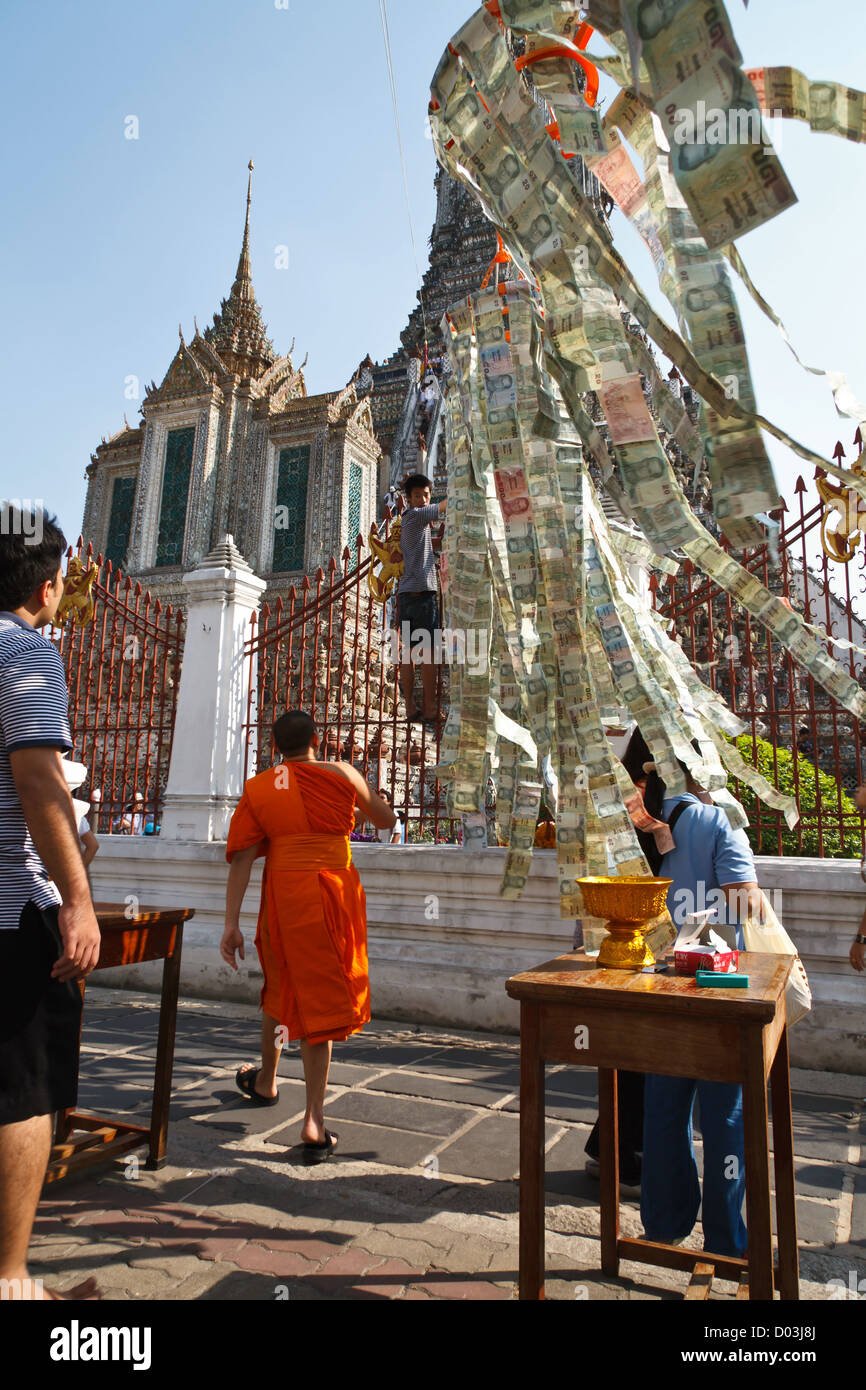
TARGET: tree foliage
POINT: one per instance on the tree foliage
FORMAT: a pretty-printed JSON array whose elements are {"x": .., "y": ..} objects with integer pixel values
[{"x": 815, "y": 791}]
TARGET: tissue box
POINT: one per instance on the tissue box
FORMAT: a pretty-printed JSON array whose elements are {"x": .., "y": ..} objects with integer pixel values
[{"x": 720, "y": 962}]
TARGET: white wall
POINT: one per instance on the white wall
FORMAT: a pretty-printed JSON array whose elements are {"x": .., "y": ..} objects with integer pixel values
[{"x": 442, "y": 942}]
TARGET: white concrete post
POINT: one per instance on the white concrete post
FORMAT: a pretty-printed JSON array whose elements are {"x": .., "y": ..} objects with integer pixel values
[{"x": 206, "y": 772}]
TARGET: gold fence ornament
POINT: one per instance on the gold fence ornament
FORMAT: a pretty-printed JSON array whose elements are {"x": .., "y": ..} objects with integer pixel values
[
  {"x": 77, "y": 601},
  {"x": 389, "y": 555},
  {"x": 840, "y": 541}
]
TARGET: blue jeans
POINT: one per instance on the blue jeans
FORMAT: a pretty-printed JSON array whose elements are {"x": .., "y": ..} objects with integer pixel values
[{"x": 670, "y": 1189}]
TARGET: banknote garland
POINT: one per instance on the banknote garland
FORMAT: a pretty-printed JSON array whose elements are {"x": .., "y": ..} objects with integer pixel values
[{"x": 533, "y": 566}]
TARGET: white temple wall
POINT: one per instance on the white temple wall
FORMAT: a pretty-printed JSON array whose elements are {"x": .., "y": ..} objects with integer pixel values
[{"x": 442, "y": 942}]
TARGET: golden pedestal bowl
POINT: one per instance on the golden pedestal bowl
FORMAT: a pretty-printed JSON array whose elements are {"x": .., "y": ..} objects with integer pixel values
[{"x": 630, "y": 904}]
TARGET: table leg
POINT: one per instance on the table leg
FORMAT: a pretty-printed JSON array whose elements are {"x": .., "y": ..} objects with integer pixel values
[
  {"x": 783, "y": 1154},
  {"x": 757, "y": 1157},
  {"x": 531, "y": 1258},
  {"x": 62, "y": 1121},
  {"x": 608, "y": 1158},
  {"x": 165, "y": 1053}
]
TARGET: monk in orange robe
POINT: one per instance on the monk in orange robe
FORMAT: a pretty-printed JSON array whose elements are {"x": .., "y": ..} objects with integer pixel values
[{"x": 312, "y": 927}]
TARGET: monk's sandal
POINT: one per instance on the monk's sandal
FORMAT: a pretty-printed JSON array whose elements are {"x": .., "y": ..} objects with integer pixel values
[
  {"x": 245, "y": 1080},
  {"x": 317, "y": 1153}
]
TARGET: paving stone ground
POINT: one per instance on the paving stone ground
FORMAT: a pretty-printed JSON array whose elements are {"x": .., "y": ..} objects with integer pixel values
[{"x": 421, "y": 1201}]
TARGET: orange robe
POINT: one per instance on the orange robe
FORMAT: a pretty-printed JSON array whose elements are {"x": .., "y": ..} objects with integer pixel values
[{"x": 312, "y": 927}]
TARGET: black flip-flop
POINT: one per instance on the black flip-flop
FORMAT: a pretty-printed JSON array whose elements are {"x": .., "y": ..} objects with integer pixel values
[
  {"x": 245, "y": 1080},
  {"x": 319, "y": 1152}
]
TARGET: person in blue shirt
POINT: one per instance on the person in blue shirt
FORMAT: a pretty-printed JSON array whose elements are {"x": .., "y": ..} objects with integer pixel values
[{"x": 711, "y": 865}]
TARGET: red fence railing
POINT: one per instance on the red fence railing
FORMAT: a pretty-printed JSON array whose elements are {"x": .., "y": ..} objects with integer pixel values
[
  {"x": 123, "y": 674},
  {"x": 322, "y": 650},
  {"x": 804, "y": 741}
]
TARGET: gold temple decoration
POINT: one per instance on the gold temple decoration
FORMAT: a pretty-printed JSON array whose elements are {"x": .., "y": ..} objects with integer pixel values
[
  {"x": 77, "y": 601},
  {"x": 631, "y": 904},
  {"x": 840, "y": 541},
  {"x": 389, "y": 555}
]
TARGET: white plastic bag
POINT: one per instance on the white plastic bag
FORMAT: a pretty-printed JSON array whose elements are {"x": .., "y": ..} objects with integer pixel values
[{"x": 770, "y": 936}]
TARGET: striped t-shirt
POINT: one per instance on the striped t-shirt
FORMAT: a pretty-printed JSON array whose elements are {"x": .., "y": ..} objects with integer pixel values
[
  {"x": 419, "y": 565},
  {"x": 33, "y": 714}
]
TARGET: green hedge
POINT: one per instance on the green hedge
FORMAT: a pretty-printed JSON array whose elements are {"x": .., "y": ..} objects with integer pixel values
[{"x": 832, "y": 799}]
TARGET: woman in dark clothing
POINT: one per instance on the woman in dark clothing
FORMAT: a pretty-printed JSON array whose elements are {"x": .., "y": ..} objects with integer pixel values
[{"x": 630, "y": 1084}]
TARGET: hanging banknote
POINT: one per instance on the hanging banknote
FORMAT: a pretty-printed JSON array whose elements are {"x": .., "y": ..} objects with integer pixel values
[
  {"x": 825, "y": 106},
  {"x": 532, "y": 556}
]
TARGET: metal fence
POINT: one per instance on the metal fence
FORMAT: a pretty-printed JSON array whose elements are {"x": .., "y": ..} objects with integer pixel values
[
  {"x": 322, "y": 650},
  {"x": 804, "y": 741},
  {"x": 123, "y": 674}
]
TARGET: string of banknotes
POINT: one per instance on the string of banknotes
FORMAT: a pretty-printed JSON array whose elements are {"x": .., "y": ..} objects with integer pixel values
[{"x": 531, "y": 558}]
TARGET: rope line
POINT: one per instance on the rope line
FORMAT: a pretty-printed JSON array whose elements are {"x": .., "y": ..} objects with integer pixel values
[{"x": 386, "y": 35}]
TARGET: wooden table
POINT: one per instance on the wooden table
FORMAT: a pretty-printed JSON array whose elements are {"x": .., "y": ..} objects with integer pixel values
[
  {"x": 83, "y": 1140},
  {"x": 665, "y": 1024}
]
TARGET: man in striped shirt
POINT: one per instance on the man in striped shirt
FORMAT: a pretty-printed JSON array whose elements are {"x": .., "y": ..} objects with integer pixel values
[
  {"x": 417, "y": 608},
  {"x": 49, "y": 936}
]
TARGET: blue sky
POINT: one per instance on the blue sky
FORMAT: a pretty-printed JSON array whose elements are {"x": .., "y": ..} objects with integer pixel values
[{"x": 109, "y": 243}]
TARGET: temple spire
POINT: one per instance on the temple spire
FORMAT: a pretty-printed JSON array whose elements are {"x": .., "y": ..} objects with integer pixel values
[
  {"x": 243, "y": 284},
  {"x": 239, "y": 334}
]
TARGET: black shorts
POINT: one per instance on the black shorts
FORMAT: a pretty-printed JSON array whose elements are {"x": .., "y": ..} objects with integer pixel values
[
  {"x": 40, "y": 1021},
  {"x": 420, "y": 611}
]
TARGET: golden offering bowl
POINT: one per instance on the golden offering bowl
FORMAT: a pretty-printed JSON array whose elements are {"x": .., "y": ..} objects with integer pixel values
[{"x": 630, "y": 904}]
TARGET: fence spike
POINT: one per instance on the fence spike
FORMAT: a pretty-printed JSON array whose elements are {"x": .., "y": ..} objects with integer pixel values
[
  {"x": 320, "y": 574},
  {"x": 347, "y": 554},
  {"x": 800, "y": 486}
]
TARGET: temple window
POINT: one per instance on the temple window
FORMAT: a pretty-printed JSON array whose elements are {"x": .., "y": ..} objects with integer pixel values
[
  {"x": 356, "y": 478},
  {"x": 175, "y": 493},
  {"x": 120, "y": 521},
  {"x": 290, "y": 517}
]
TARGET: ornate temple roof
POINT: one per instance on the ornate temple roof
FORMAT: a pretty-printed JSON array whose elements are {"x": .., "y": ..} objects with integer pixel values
[{"x": 239, "y": 334}]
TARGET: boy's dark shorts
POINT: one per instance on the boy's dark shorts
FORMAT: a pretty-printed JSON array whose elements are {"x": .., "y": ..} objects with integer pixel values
[
  {"x": 40, "y": 1021},
  {"x": 420, "y": 611}
]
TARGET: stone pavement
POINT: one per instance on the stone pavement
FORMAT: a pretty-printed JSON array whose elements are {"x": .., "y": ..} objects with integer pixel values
[{"x": 421, "y": 1201}]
